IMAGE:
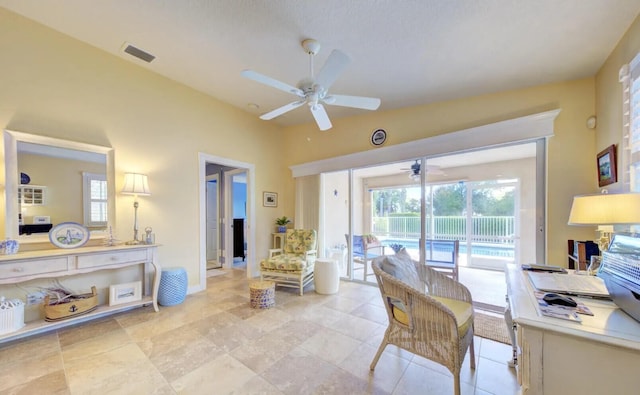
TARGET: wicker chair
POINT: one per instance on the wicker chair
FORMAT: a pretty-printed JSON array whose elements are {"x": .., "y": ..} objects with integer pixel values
[{"x": 430, "y": 314}]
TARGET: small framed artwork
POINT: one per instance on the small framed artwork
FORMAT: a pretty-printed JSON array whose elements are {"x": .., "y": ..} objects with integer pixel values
[
  {"x": 270, "y": 199},
  {"x": 607, "y": 173},
  {"x": 125, "y": 293}
]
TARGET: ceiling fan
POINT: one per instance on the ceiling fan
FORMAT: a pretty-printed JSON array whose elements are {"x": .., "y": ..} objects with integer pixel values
[
  {"x": 314, "y": 90},
  {"x": 414, "y": 170}
]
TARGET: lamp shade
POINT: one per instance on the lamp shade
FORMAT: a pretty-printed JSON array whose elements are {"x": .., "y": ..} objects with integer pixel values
[
  {"x": 136, "y": 184},
  {"x": 605, "y": 209}
]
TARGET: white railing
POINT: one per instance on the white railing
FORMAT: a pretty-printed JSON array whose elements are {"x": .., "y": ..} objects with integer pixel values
[{"x": 488, "y": 229}]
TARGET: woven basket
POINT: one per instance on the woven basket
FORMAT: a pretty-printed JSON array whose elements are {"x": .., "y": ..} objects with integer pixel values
[
  {"x": 81, "y": 304},
  {"x": 262, "y": 294}
]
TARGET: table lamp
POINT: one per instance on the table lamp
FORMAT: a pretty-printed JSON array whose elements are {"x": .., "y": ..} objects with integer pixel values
[
  {"x": 137, "y": 185},
  {"x": 605, "y": 210}
]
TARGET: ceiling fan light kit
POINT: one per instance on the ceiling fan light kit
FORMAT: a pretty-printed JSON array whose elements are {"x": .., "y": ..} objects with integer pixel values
[
  {"x": 414, "y": 170},
  {"x": 314, "y": 90}
]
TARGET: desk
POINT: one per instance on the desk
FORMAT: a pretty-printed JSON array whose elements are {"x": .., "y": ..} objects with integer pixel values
[{"x": 601, "y": 355}]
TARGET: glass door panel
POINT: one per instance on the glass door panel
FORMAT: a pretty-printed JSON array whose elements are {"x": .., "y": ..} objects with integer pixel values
[{"x": 491, "y": 225}]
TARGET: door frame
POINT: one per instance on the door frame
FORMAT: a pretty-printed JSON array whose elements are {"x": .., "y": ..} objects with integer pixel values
[{"x": 203, "y": 159}]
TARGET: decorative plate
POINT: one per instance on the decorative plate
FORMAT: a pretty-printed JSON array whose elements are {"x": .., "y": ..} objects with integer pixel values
[
  {"x": 69, "y": 235},
  {"x": 24, "y": 178}
]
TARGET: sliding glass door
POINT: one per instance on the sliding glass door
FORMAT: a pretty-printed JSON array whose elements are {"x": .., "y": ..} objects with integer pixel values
[
  {"x": 491, "y": 224},
  {"x": 486, "y": 200}
]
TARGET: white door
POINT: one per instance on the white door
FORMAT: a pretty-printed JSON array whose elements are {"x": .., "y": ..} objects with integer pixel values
[
  {"x": 231, "y": 202},
  {"x": 212, "y": 220}
]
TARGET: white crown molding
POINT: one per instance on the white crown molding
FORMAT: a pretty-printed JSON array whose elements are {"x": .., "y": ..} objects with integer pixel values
[{"x": 516, "y": 130}]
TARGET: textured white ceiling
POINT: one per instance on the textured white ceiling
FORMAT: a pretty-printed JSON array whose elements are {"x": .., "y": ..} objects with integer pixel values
[{"x": 405, "y": 52}]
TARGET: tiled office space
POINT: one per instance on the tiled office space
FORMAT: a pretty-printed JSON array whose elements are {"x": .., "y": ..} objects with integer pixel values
[{"x": 214, "y": 343}]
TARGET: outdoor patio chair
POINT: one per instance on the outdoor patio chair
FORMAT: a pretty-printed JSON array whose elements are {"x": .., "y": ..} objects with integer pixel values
[
  {"x": 366, "y": 248},
  {"x": 443, "y": 255},
  {"x": 292, "y": 266},
  {"x": 429, "y": 314}
]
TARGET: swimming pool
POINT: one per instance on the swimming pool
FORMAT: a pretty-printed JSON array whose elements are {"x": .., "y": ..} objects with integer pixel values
[{"x": 480, "y": 249}]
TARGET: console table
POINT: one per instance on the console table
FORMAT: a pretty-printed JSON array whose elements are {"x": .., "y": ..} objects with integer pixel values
[
  {"x": 600, "y": 355},
  {"x": 30, "y": 265}
]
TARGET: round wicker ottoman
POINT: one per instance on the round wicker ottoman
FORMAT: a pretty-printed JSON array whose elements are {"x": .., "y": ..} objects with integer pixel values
[{"x": 262, "y": 294}]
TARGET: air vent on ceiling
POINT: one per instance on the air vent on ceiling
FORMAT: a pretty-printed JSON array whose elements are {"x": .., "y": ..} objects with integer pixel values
[{"x": 138, "y": 53}]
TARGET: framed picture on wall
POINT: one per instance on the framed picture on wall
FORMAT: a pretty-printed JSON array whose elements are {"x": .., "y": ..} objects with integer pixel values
[
  {"x": 270, "y": 199},
  {"x": 607, "y": 166}
]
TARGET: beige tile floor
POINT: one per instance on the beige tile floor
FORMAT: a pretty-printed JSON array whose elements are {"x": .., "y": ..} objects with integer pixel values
[{"x": 214, "y": 343}]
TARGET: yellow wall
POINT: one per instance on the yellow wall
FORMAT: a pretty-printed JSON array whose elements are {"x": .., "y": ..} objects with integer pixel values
[{"x": 56, "y": 86}]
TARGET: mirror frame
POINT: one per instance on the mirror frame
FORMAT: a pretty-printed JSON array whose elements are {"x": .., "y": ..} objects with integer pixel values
[{"x": 11, "y": 139}]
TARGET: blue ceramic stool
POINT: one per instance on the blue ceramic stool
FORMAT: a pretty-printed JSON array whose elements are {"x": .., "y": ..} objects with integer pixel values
[{"x": 173, "y": 286}]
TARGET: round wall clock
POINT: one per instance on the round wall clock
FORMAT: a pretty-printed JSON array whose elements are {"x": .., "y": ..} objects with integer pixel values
[{"x": 378, "y": 137}]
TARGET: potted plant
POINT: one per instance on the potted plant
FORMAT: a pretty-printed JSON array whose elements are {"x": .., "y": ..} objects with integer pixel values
[{"x": 282, "y": 224}]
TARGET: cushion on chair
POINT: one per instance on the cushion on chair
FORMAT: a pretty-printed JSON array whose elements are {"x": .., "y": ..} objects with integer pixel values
[
  {"x": 285, "y": 262},
  {"x": 402, "y": 267},
  {"x": 299, "y": 241},
  {"x": 462, "y": 310}
]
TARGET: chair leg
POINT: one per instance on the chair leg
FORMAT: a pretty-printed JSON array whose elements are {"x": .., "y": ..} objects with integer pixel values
[
  {"x": 301, "y": 285},
  {"x": 379, "y": 353},
  {"x": 472, "y": 354},
  {"x": 456, "y": 384}
]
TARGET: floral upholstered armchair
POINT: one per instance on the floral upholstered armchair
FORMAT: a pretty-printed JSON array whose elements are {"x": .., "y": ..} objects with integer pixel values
[{"x": 292, "y": 266}]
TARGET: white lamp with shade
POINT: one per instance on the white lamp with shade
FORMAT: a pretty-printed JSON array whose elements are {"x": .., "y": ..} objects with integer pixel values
[
  {"x": 604, "y": 211},
  {"x": 137, "y": 185}
]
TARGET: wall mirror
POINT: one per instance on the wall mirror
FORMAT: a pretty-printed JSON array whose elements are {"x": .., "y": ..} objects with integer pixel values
[{"x": 58, "y": 166}]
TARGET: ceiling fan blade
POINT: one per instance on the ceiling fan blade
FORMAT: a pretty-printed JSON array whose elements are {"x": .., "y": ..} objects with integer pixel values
[
  {"x": 263, "y": 79},
  {"x": 366, "y": 103},
  {"x": 436, "y": 170},
  {"x": 282, "y": 110},
  {"x": 321, "y": 117},
  {"x": 333, "y": 67}
]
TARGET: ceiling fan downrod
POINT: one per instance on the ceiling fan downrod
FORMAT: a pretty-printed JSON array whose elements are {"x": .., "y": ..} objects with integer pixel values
[{"x": 312, "y": 47}]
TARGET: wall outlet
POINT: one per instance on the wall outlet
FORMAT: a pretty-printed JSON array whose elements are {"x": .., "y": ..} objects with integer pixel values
[{"x": 35, "y": 297}]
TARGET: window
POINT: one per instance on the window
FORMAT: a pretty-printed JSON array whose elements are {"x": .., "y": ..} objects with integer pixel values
[
  {"x": 630, "y": 155},
  {"x": 94, "y": 198}
]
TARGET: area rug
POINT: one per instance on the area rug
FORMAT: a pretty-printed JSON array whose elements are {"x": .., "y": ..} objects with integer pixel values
[{"x": 491, "y": 327}]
